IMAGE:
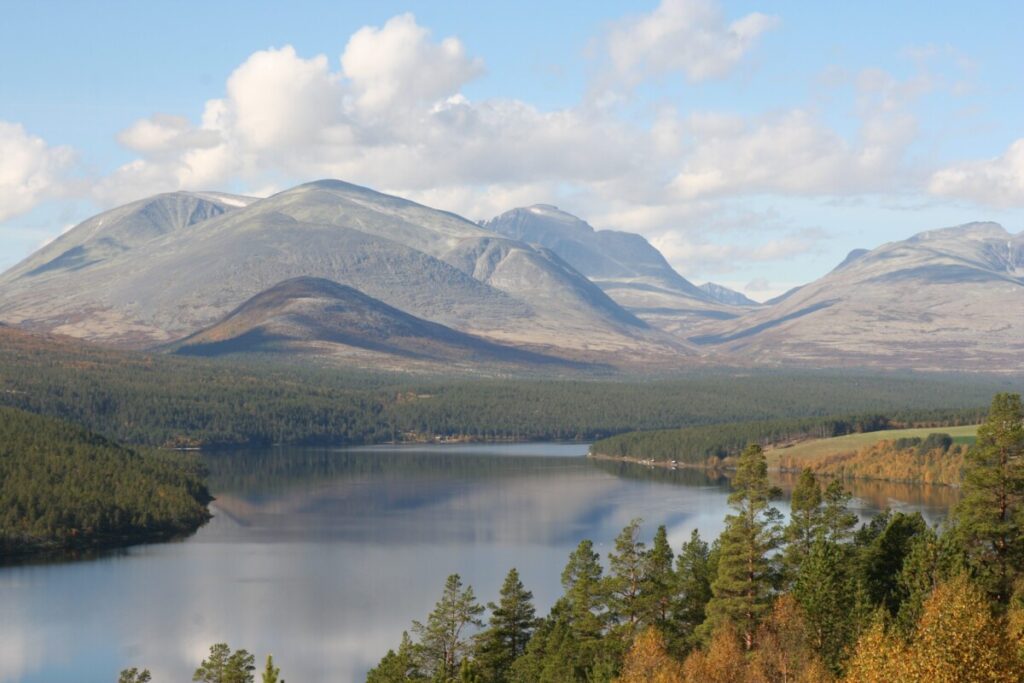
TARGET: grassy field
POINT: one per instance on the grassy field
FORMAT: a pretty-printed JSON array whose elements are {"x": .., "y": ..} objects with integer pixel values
[{"x": 811, "y": 451}]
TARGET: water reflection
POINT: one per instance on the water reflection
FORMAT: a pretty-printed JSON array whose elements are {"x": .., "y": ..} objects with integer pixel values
[{"x": 323, "y": 557}]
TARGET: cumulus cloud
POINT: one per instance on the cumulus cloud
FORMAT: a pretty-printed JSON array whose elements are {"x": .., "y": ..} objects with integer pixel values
[
  {"x": 392, "y": 116},
  {"x": 997, "y": 182},
  {"x": 685, "y": 36},
  {"x": 789, "y": 153},
  {"x": 30, "y": 169},
  {"x": 399, "y": 65}
]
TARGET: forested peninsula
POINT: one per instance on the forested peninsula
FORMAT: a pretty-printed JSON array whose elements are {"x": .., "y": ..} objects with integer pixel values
[{"x": 65, "y": 488}]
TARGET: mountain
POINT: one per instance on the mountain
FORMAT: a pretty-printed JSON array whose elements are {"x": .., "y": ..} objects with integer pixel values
[
  {"x": 625, "y": 265},
  {"x": 724, "y": 295},
  {"x": 164, "y": 268},
  {"x": 124, "y": 228},
  {"x": 949, "y": 299},
  {"x": 314, "y": 316}
]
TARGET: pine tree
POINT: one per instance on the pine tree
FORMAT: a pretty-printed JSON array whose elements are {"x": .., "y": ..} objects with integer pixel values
[
  {"x": 442, "y": 640},
  {"x": 990, "y": 516},
  {"x": 512, "y": 623},
  {"x": 133, "y": 675},
  {"x": 397, "y": 667},
  {"x": 693, "y": 590},
  {"x": 225, "y": 666},
  {"x": 626, "y": 579},
  {"x": 837, "y": 519},
  {"x": 805, "y": 522},
  {"x": 582, "y": 581},
  {"x": 882, "y": 554},
  {"x": 743, "y": 586},
  {"x": 659, "y": 582}
]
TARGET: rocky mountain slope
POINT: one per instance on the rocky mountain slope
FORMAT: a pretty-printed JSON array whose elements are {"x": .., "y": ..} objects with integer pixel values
[
  {"x": 625, "y": 265},
  {"x": 944, "y": 299},
  {"x": 724, "y": 295},
  {"x": 123, "y": 279},
  {"x": 318, "y": 317}
]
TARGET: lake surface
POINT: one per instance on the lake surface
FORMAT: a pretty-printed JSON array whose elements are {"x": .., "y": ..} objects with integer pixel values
[{"x": 323, "y": 557}]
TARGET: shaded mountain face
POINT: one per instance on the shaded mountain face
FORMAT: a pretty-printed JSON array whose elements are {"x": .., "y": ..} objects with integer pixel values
[
  {"x": 625, "y": 265},
  {"x": 319, "y": 317},
  {"x": 137, "y": 283},
  {"x": 724, "y": 295},
  {"x": 944, "y": 299}
]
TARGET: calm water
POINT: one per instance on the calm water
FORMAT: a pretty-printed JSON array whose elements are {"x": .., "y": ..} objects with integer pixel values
[{"x": 323, "y": 557}]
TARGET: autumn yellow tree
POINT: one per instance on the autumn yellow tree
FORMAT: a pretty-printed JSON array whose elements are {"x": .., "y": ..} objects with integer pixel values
[
  {"x": 648, "y": 662},
  {"x": 724, "y": 660},
  {"x": 784, "y": 652},
  {"x": 956, "y": 640},
  {"x": 877, "y": 656}
]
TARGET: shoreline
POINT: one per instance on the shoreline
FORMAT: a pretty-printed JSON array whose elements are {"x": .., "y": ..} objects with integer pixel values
[{"x": 676, "y": 465}]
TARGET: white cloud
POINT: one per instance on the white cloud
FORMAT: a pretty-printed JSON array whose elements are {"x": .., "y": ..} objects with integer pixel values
[
  {"x": 995, "y": 182},
  {"x": 399, "y": 65},
  {"x": 30, "y": 169},
  {"x": 790, "y": 153},
  {"x": 686, "y": 36}
]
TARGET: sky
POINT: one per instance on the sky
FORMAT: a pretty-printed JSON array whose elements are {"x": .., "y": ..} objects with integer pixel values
[{"x": 754, "y": 143}]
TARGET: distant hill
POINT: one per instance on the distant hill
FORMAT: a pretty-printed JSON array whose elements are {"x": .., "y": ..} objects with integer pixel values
[
  {"x": 941, "y": 300},
  {"x": 318, "y": 317}
]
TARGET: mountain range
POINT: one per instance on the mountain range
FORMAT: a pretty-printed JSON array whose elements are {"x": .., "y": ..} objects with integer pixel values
[{"x": 340, "y": 272}]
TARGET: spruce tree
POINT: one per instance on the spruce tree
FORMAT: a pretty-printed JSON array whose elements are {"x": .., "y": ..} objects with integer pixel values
[
  {"x": 826, "y": 591},
  {"x": 692, "y": 590},
  {"x": 271, "y": 672},
  {"x": 743, "y": 587},
  {"x": 511, "y": 624},
  {"x": 990, "y": 516},
  {"x": 442, "y": 640},
  {"x": 805, "y": 522}
]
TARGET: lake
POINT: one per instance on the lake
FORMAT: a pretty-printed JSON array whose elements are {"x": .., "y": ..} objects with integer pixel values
[{"x": 323, "y": 557}]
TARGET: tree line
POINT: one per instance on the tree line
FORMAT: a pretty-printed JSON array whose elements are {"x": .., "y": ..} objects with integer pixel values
[
  {"x": 815, "y": 598},
  {"x": 709, "y": 444},
  {"x": 166, "y": 401}
]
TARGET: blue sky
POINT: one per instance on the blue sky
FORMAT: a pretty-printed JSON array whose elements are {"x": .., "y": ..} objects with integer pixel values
[{"x": 754, "y": 143}]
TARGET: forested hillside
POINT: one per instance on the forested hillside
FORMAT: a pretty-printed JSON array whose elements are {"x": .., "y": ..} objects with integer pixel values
[
  {"x": 708, "y": 444},
  {"x": 64, "y": 487},
  {"x": 166, "y": 401}
]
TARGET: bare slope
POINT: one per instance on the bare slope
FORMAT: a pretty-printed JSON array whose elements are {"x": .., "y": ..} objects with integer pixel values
[
  {"x": 625, "y": 265},
  {"x": 315, "y": 316},
  {"x": 944, "y": 299},
  {"x": 167, "y": 283}
]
